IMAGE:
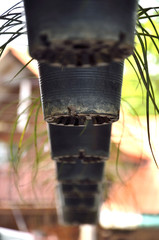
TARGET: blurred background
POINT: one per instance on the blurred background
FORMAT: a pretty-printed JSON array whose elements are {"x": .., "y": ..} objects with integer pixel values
[{"x": 130, "y": 208}]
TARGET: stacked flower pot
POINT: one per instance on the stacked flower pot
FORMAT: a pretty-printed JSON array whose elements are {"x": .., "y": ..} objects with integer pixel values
[
  {"x": 80, "y": 154},
  {"x": 80, "y": 46}
]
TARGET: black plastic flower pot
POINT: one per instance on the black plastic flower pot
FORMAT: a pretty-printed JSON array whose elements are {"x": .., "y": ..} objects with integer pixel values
[
  {"x": 79, "y": 199},
  {"x": 77, "y": 33},
  {"x": 72, "y": 216},
  {"x": 88, "y": 187},
  {"x": 70, "y": 96},
  {"x": 69, "y": 172},
  {"x": 80, "y": 152},
  {"x": 89, "y": 144}
]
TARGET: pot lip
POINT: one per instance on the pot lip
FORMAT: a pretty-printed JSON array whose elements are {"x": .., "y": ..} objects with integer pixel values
[
  {"x": 79, "y": 120},
  {"x": 83, "y": 52},
  {"x": 82, "y": 158},
  {"x": 81, "y": 209},
  {"x": 80, "y": 193},
  {"x": 97, "y": 182},
  {"x": 80, "y": 183}
]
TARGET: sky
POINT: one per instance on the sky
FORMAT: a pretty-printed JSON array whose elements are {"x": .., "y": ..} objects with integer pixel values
[
  {"x": 6, "y": 4},
  {"x": 20, "y": 42},
  {"x": 149, "y": 3}
]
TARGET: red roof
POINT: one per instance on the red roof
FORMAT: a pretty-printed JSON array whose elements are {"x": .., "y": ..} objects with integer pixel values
[{"x": 23, "y": 189}]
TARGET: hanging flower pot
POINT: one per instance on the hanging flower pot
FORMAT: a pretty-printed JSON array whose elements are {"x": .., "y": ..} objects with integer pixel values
[
  {"x": 72, "y": 95},
  {"x": 87, "y": 187},
  {"x": 79, "y": 199},
  {"x": 80, "y": 152},
  {"x": 77, "y": 215},
  {"x": 88, "y": 144},
  {"x": 78, "y": 208},
  {"x": 69, "y": 172},
  {"x": 77, "y": 33}
]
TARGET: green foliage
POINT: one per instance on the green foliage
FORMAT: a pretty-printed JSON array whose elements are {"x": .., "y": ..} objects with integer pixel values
[
  {"x": 141, "y": 71},
  {"x": 12, "y": 24}
]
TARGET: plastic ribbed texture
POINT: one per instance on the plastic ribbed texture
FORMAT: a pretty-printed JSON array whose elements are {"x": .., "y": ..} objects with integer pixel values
[
  {"x": 85, "y": 144},
  {"x": 80, "y": 33},
  {"x": 71, "y": 96}
]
